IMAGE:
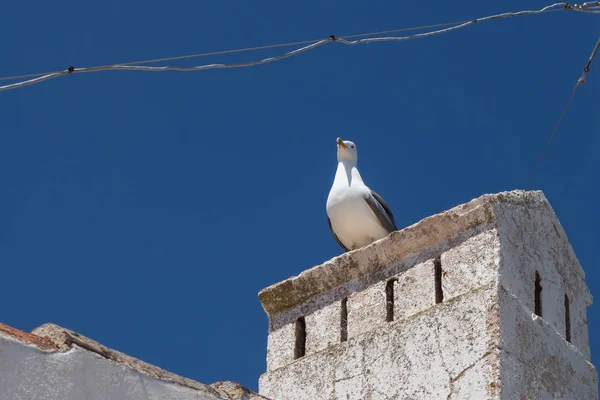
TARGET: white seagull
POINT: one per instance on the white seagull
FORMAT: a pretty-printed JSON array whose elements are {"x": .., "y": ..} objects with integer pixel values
[{"x": 357, "y": 216}]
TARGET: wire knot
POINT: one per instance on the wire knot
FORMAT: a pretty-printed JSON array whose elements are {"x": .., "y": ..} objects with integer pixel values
[
  {"x": 332, "y": 38},
  {"x": 71, "y": 69}
]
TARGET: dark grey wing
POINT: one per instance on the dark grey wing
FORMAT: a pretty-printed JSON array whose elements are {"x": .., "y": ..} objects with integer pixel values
[
  {"x": 381, "y": 211},
  {"x": 335, "y": 236}
]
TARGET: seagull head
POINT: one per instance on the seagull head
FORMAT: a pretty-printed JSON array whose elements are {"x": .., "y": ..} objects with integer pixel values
[{"x": 346, "y": 151}]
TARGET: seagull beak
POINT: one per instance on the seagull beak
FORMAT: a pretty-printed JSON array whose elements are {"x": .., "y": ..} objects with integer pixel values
[{"x": 341, "y": 143}]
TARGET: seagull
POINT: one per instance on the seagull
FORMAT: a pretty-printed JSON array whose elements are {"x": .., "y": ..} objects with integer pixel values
[{"x": 357, "y": 215}]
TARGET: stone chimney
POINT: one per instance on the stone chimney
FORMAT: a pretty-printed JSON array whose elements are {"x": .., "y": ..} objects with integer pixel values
[{"x": 484, "y": 301}]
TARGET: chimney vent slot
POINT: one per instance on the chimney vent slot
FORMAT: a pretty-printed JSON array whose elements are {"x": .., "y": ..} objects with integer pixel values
[
  {"x": 567, "y": 319},
  {"x": 300, "y": 345},
  {"x": 538, "y": 294},
  {"x": 389, "y": 300},
  {"x": 344, "y": 320},
  {"x": 439, "y": 291}
]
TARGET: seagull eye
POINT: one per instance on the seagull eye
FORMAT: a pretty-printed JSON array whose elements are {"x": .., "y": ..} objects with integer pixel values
[{"x": 352, "y": 146}]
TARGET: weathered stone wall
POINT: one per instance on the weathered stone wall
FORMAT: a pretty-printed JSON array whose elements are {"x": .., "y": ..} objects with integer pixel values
[
  {"x": 446, "y": 351},
  {"x": 471, "y": 264},
  {"x": 533, "y": 240},
  {"x": 467, "y": 261},
  {"x": 466, "y": 347},
  {"x": 414, "y": 290},
  {"x": 464, "y": 325},
  {"x": 535, "y": 361}
]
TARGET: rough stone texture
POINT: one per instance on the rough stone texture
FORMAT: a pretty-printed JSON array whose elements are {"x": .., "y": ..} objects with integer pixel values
[
  {"x": 470, "y": 265},
  {"x": 535, "y": 361},
  {"x": 366, "y": 309},
  {"x": 532, "y": 239},
  {"x": 414, "y": 291},
  {"x": 323, "y": 335},
  {"x": 480, "y": 381},
  {"x": 402, "y": 359},
  {"x": 469, "y": 346},
  {"x": 235, "y": 391},
  {"x": 56, "y": 363},
  {"x": 366, "y": 301},
  {"x": 42, "y": 343},
  {"x": 280, "y": 348}
]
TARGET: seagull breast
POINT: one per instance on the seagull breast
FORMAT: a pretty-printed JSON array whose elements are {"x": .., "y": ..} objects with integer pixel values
[{"x": 352, "y": 218}]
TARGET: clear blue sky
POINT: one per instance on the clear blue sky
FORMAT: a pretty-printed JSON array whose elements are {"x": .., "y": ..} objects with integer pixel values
[{"x": 146, "y": 210}]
